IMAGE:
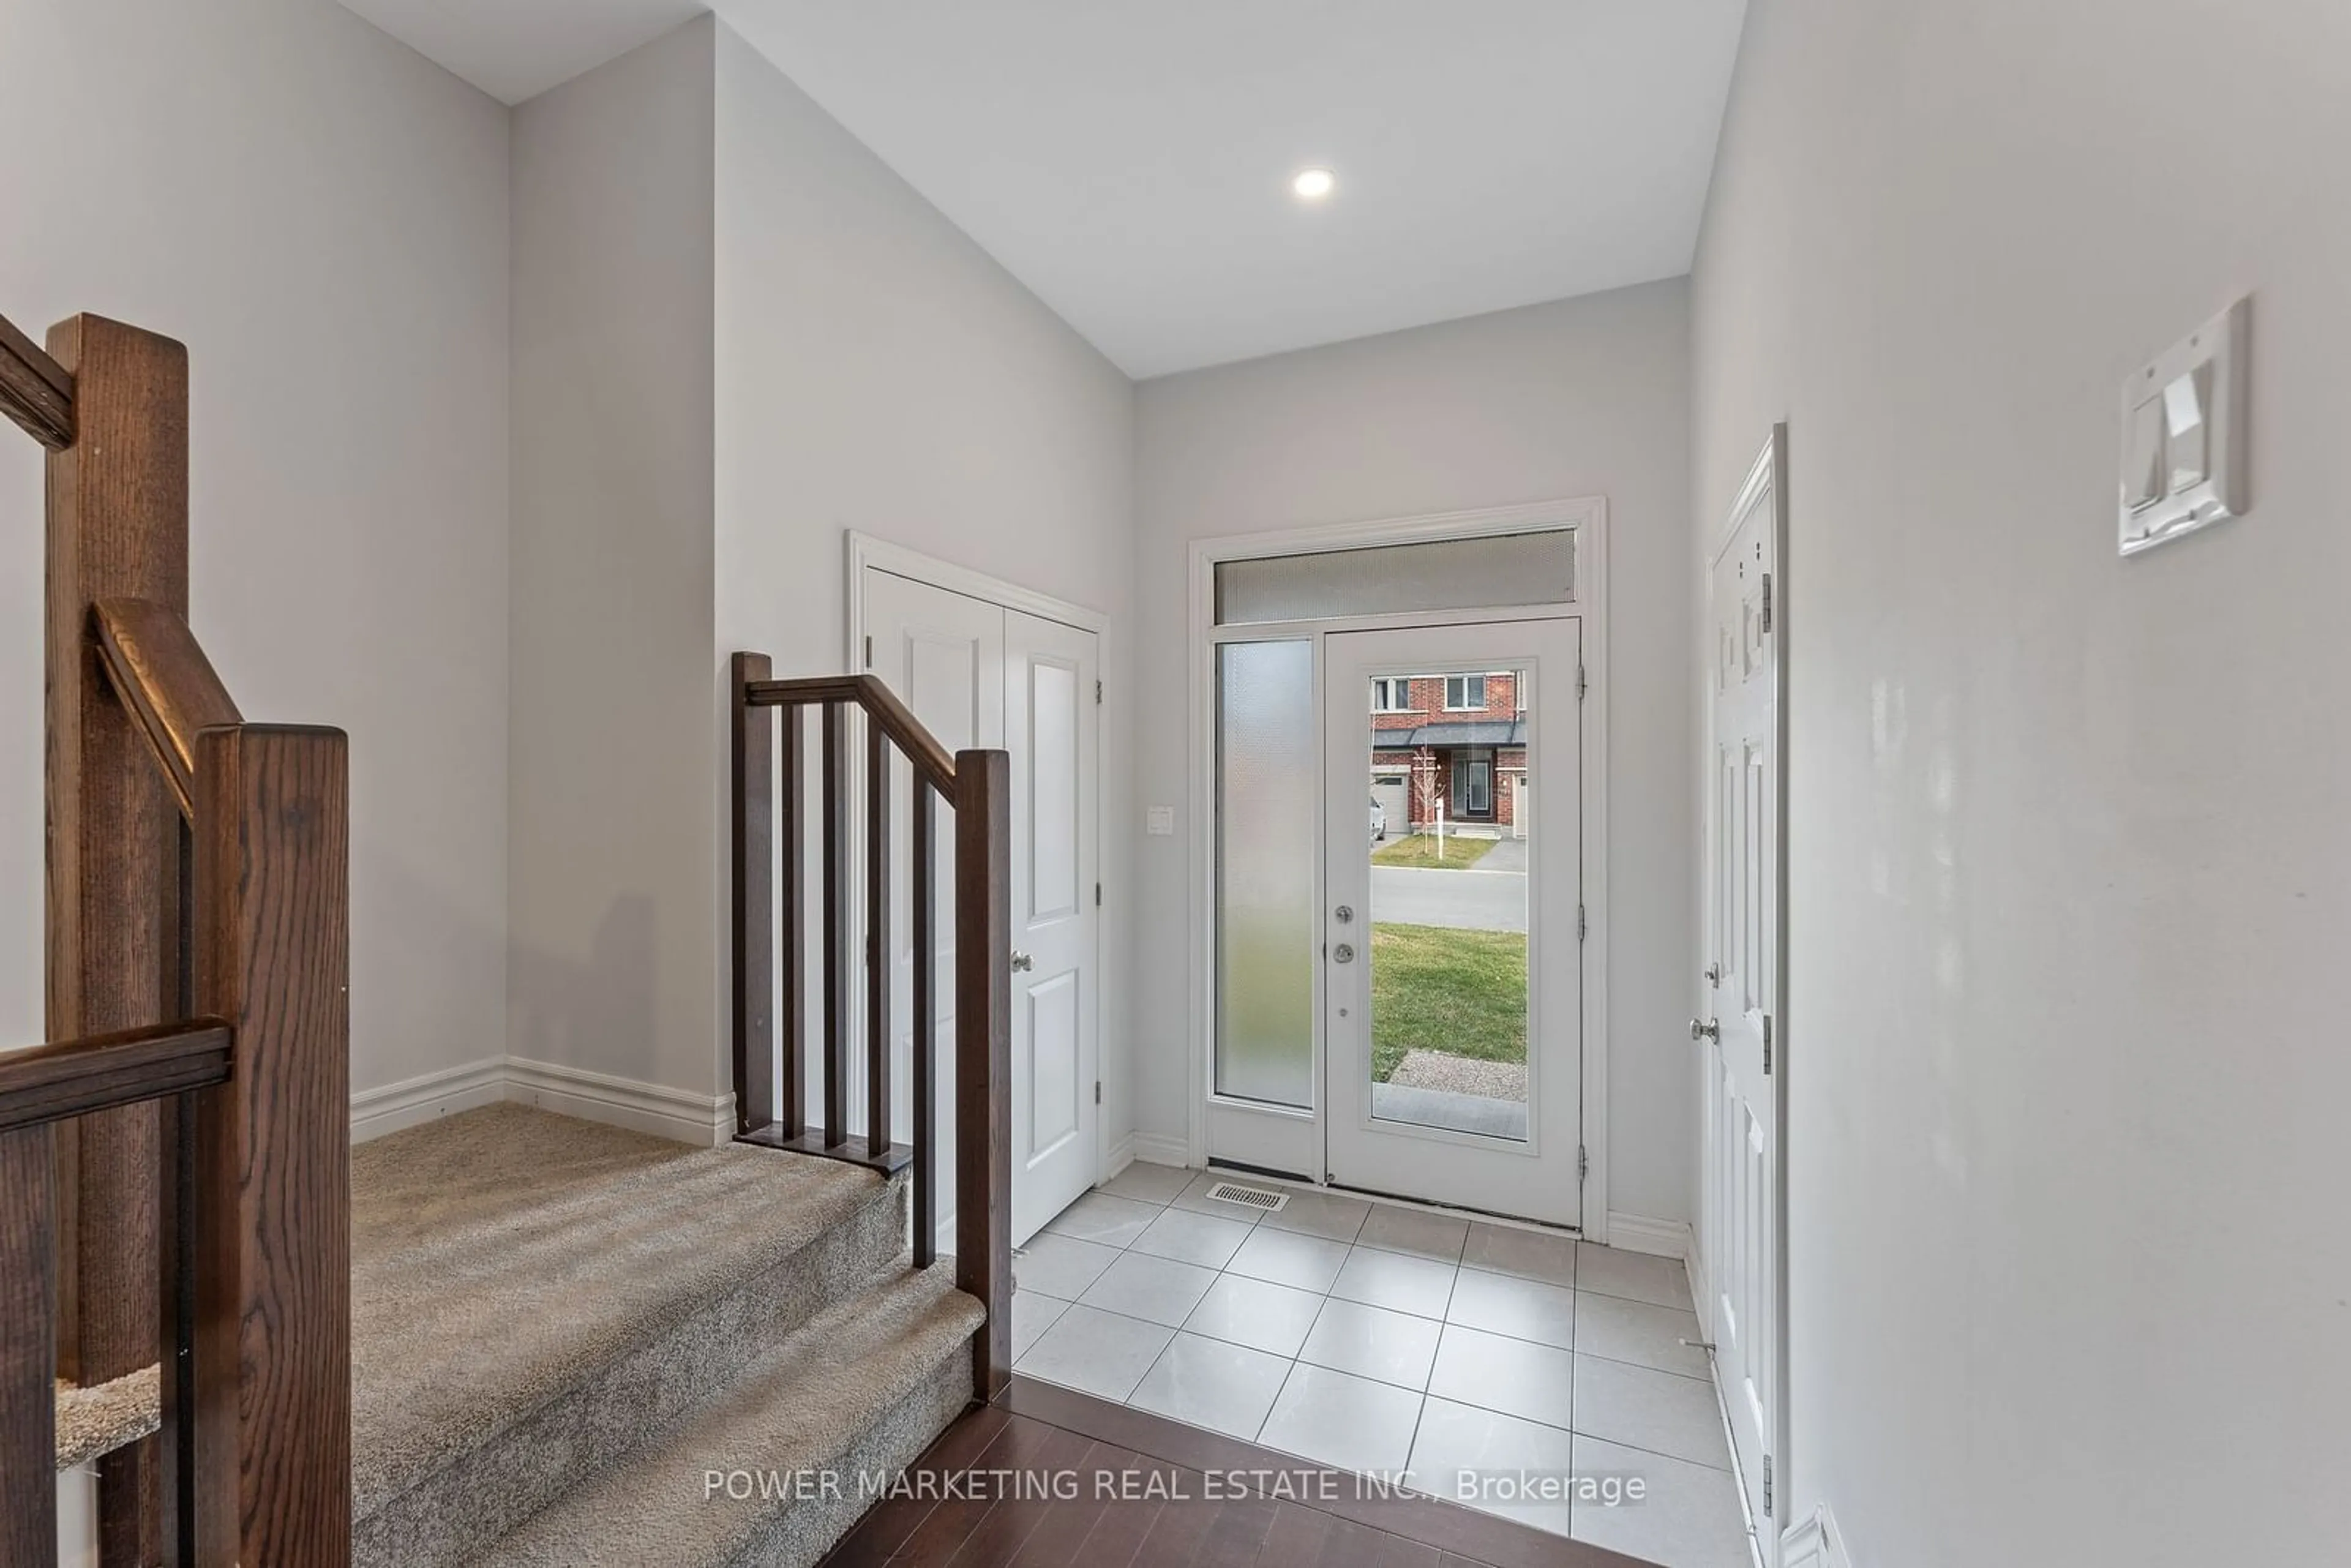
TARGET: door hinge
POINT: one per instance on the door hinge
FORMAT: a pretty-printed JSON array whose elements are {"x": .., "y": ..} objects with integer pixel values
[
  {"x": 1582, "y": 1164},
  {"x": 1767, "y": 602},
  {"x": 1767, "y": 1045},
  {"x": 1097, "y": 896},
  {"x": 1582, "y": 926},
  {"x": 1097, "y": 1090},
  {"x": 1097, "y": 693},
  {"x": 1582, "y": 682},
  {"x": 1767, "y": 1483},
  {"x": 869, "y": 650}
]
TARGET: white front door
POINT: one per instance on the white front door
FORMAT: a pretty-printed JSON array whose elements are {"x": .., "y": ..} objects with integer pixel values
[
  {"x": 978, "y": 675},
  {"x": 1742, "y": 1201},
  {"x": 1454, "y": 993}
]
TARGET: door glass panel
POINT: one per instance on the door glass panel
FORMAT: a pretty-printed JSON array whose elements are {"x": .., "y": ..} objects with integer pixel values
[
  {"x": 1449, "y": 886},
  {"x": 1269, "y": 778}
]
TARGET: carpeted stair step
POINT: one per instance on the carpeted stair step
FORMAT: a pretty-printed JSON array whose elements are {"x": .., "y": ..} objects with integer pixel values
[
  {"x": 533, "y": 1295},
  {"x": 857, "y": 1392}
]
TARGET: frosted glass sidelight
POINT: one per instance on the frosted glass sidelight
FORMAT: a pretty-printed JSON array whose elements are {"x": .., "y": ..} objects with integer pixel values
[
  {"x": 1268, "y": 776},
  {"x": 1494, "y": 572}
]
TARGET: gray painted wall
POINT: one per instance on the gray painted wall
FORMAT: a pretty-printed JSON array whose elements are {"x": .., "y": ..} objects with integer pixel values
[
  {"x": 2072, "y": 867},
  {"x": 320, "y": 215}
]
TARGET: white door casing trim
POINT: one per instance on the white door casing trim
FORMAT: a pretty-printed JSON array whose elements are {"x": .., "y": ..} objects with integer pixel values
[
  {"x": 1587, "y": 516},
  {"x": 864, "y": 550}
]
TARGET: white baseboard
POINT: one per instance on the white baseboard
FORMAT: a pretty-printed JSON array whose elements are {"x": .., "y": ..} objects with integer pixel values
[
  {"x": 426, "y": 1096},
  {"x": 1658, "y": 1238},
  {"x": 1158, "y": 1149},
  {"x": 1814, "y": 1542},
  {"x": 707, "y": 1119},
  {"x": 700, "y": 1119},
  {"x": 1120, "y": 1155}
]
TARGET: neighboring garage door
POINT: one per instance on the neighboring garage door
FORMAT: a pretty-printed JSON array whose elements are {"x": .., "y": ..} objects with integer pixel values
[{"x": 1389, "y": 791}]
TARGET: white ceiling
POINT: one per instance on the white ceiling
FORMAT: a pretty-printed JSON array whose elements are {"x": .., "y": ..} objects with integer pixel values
[{"x": 1130, "y": 159}]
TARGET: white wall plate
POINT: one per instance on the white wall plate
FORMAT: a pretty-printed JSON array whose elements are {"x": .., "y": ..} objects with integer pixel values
[{"x": 2185, "y": 430}]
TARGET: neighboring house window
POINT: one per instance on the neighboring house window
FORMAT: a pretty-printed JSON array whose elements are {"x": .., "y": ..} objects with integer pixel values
[
  {"x": 1392, "y": 696},
  {"x": 1465, "y": 691}
]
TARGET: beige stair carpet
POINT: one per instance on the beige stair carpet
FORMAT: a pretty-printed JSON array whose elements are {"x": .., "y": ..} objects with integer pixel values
[{"x": 533, "y": 1295}]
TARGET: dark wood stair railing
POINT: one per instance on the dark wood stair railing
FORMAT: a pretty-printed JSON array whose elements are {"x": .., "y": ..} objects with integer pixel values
[
  {"x": 770, "y": 1075},
  {"x": 198, "y": 869}
]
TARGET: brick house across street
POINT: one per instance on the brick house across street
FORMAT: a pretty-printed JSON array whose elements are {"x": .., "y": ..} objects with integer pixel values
[{"x": 1460, "y": 740}]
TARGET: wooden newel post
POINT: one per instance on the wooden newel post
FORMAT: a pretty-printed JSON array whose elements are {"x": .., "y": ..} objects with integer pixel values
[
  {"x": 272, "y": 1373},
  {"x": 983, "y": 1105},
  {"x": 752, "y": 739}
]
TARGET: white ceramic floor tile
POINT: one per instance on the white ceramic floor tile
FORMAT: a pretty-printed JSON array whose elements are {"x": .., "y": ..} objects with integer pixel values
[
  {"x": 1147, "y": 1183},
  {"x": 1516, "y": 1376},
  {"x": 1196, "y": 1198},
  {"x": 1639, "y": 1408},
  {"x": 1060, "y": 1266},
  {"x": 1322, "y": 1214},
  {"x": 1524, "y": 1309},
  {"x": 1032, "y": 1314},
  {"x": 1302, "y": 1262},
  {"x": 1256, "y": 1314},
  {"x": 1687, "y": 1517},
  {"x": 1372, "y": 1342},
  {"x": 1496, "y": 1463},
  {"x": 1204, "y": 1240},
  {"x": 1339, "y": 1419},
  {"x": 1409, "y": 1230},
  {"x": 1158, "y": 1290},
  {"x": 1226, "y": 1388},
  {"x": 1528, "y": 1254},
  {"x": 1635, "y": 1276},
  {"x": 1640, "y": 1333},
  {"x": 1096, "y": 1353},
  {"x": 1402, "y": 1284},
  {"x": 1100, "y": 1217}
]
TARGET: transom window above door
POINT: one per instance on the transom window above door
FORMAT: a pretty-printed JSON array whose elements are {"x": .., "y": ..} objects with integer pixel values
[{"x": 1464, "y": 692}]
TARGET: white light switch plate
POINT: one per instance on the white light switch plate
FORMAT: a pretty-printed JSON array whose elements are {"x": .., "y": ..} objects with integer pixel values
[
  {"x": 1159, "y": 822},
  {"x": 2185, "y": 434}
]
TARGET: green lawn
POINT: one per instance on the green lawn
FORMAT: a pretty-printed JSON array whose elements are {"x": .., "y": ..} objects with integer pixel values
[
  {"x": 1462, "y": 992},
  {"x": 1420, "y": 850}
]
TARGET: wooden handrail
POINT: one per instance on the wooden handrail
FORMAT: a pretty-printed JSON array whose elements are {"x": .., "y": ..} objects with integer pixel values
[
  {"x": 35, "y": 390},
  {"x": 929, "y": 759},
  {"x": 977, "y": 786},
  {"x": 75, "y": 1076},
  {"x": 168, "y": 684}
]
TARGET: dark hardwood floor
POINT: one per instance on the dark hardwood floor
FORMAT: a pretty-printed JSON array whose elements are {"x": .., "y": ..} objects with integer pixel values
[{"x": 1136, "y": 1490}]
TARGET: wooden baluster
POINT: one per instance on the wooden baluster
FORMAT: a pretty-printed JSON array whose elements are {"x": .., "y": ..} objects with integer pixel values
[
  {"x": 837, "y": 953},
  {"x": 924, "y": 915},
  {"x": 28, "y": 1346},
  {"x": 790, "y": 761},
  {"x": 753, "y": 745},
  {"x": 272, "y": 1370},
  {"x": 878, "y": 954},
  {"x": 984, "y": 1056}
]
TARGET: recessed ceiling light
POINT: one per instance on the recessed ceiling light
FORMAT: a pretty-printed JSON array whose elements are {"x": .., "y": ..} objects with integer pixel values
[{"x": 1314, "y": 183}]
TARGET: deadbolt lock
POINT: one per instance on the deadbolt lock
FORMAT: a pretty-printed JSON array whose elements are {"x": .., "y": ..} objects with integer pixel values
[{"x": 1344, "y": 954}]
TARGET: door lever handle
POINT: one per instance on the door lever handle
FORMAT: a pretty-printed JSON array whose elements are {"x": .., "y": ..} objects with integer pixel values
[
  {"x": 1707, "y": 1029},
  {"x": 1022, "y": 963}
]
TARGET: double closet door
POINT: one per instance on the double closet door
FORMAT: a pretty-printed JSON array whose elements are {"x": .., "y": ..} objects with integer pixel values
[{"x": 979, "y": 673}]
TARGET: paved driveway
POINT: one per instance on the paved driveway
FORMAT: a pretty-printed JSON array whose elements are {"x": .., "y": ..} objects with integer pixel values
[{"x": 1474, "y": 900}]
